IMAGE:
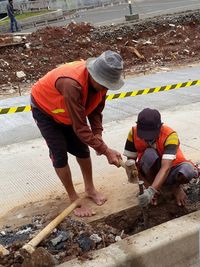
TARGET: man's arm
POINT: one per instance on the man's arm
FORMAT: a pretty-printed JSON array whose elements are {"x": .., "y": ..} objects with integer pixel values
[
  {"x": 170, "y": 150},
  {"x": 72, "y": 93},
  {"x": 129, "y": 150},
  {"x": 161, "y": 176},
  {"x": 95, "y": 118}
]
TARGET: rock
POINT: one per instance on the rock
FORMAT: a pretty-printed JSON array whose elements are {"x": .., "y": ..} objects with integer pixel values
[
  {"x": 147, "y": 42},
  {"x": 3, "y": 233},
  {"x": 88, "y": 39},
  {"x": 4, "y": 63},
  {"x": 11, "y": 91},
  {"x": 85, "y": 242},
  {"x": 20, "y": 74},
  {"x": 56, "y": 240},
  {"x": 17, "y": 39},
  {"x": 28, "y": 45},
  {"x": 24, "y": 231},
  {"x": 118, "y": 238},
  {"x": 45, "y": 59},
  {"x": 187, "y": 51},
  {"x": 3, "y": 251},
  {"x": 62, "y": 236},
  {"x": 172, "y": 25},
  {"x": 95, "y": 238}
]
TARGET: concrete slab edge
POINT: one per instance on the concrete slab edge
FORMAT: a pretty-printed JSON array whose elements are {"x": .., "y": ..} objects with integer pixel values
[{"x": 174, "y": 243}]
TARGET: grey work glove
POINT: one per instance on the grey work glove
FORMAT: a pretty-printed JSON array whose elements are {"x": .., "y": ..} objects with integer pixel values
[{"x": 147, "y": 196}]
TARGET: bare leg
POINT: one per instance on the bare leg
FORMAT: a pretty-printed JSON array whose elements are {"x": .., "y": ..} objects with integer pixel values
[
  {"x": 65, "y": 176},
  {"x": 86, "y": 168}
]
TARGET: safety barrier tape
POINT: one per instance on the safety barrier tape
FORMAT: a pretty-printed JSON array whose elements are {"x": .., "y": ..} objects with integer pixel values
[{"x": 121, "y": 95}]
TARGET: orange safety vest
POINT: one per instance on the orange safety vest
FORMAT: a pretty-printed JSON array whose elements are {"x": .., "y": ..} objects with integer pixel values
[
  {"x": 165, "y": 131},
  {"x": 49, "y": 99}
]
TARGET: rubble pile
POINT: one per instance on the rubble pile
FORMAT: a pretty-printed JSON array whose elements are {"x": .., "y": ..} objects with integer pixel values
[
  {"x": 145, "y": 46},
  {"x": 77, "y": 239},
  {"x": 70, "y": 240}
]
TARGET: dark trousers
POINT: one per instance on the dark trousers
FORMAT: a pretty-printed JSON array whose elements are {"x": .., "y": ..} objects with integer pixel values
[{"x": 13, "y": 22}]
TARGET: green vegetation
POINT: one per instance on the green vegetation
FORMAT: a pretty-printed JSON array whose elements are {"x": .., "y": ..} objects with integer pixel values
[{"x": 25, "y": 15}]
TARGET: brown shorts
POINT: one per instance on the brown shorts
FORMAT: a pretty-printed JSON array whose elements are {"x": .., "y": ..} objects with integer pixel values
[{"x": 60, "y": 139}]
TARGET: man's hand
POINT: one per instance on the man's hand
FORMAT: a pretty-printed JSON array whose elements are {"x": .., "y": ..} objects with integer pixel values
[
  {"x": 113, "y": 156},
  {"x": 147, "y": 196}
]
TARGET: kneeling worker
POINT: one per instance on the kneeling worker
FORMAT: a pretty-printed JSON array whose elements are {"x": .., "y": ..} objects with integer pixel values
[{"x": 159, "y": 159}]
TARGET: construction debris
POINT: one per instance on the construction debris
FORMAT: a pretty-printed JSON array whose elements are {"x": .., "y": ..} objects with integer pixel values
[
  {"x": 3, "y": 251},
  {"x": 74, "y": 238},
  {"x": 162, "y": 41}
]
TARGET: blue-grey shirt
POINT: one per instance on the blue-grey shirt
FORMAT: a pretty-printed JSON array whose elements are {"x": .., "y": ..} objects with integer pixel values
[{"x": 10, "y": 10}]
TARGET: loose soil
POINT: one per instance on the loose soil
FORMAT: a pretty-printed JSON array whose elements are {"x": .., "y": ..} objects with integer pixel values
[
  {"x": 74, "y": 238},
  {"x": 162, "y": 42}
]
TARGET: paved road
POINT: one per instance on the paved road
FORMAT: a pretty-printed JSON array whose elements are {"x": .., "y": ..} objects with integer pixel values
[
  {"x": 116, "y": 14},
  {"x": 20, "y": 126},
  {"x": 144, "y": 9}
]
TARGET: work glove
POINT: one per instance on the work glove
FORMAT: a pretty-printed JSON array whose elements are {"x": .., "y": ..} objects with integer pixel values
[{"x": 147, "y": 196}]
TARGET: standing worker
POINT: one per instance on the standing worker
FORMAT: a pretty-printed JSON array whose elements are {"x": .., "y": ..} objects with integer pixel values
[
  {"x": 10, "y": 12},
  {"x": 159, "y": 159},
  {"x": 62, "y": 102}
]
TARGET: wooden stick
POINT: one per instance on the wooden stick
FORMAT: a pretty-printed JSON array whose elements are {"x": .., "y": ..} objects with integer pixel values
[{"x": 31, "y": 245}]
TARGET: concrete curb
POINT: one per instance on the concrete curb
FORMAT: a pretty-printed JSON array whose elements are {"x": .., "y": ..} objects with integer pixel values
[{"x": 174, "y": 243}]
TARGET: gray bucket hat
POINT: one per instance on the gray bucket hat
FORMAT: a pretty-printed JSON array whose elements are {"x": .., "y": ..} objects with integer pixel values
[{"x": 106, "y": 69}]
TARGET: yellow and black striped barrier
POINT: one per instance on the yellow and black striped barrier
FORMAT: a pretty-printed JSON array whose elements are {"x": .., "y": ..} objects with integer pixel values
[{"x": 121, "y": 95}]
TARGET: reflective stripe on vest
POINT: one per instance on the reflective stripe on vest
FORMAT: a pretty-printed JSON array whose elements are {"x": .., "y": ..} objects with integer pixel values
[{"x": 56, "y": 111}]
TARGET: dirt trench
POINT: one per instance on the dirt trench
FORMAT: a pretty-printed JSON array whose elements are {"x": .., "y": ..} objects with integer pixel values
[{"x": 77, "y": 239}]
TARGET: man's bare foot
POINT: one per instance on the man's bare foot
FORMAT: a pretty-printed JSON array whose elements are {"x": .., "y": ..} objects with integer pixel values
[
  {"x": 97, "y": 197},
  {"x": 84, "y": 211},
  {"x": 180, "y": 195}
]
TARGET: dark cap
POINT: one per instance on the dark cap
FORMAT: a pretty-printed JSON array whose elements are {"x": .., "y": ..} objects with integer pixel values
[{"x": 148, "y": 124}]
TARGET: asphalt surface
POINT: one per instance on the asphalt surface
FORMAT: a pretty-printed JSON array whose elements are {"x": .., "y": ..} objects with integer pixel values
[
  {"x": 116, "y": 14},
  {"x": 20, "y": 127}
]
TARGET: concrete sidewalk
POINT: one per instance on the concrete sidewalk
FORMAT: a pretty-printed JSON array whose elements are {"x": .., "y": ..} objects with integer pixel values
[{"x": 26, "y": 174}]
